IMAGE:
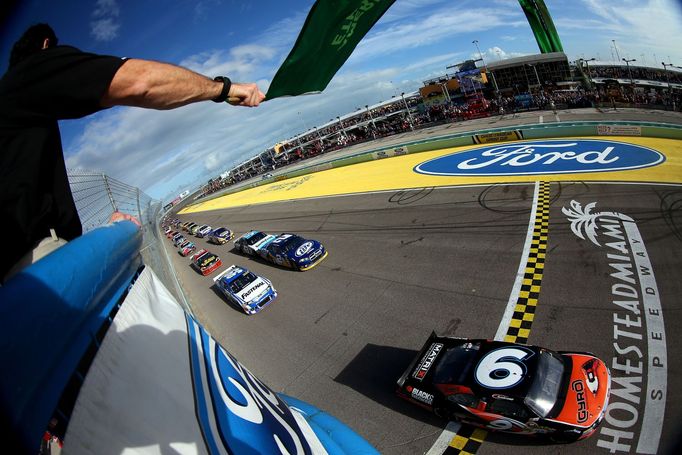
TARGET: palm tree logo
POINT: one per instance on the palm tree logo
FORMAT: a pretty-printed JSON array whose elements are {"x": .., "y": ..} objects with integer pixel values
[{"x": 584, "y": 222}]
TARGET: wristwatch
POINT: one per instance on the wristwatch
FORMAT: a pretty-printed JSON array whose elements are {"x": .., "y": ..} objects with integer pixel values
[{"x": 227, "y": 83}]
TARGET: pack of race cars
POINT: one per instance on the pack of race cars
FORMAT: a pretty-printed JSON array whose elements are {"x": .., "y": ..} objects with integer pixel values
[
  {"x": 495, "y": 385},
  {"x": 239, "y": 285}
]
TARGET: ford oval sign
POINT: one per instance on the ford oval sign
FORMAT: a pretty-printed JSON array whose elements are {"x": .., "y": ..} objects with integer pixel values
[{"x": 544, "y": 157}]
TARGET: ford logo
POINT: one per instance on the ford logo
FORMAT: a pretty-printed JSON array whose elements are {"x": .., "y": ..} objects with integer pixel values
[
  {"x": 303, "y": 249},
  {"x": 544, "y": 157}
]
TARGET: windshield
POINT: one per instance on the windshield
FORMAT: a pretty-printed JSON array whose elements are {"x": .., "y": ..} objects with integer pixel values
[
  {"x": 219, "y": 231},
  {"x": 544, "y": 391},
  {"x": 291, "y": 243},
  {"x": 454, "y": 365},
  {"x": 255, "y": 237},
  {"x": 241, "y": 282}
]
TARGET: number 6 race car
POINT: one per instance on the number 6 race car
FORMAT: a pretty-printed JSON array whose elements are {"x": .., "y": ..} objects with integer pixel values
[{"x": 509, "y": 387}]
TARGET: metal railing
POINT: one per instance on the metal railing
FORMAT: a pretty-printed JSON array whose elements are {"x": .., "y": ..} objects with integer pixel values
[{"x": 98, "y": 196}]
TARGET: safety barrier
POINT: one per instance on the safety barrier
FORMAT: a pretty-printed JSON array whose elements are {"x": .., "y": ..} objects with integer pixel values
[
  {"x": 109, "y": 362},
  {"x": 491, "y": 135}
]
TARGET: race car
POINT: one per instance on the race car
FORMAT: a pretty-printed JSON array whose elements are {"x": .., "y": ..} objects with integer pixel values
[
  {"x": 177, "y": 241},
  {"x": 252, "y": 241},
  {"x": 205, "y": 262},
  {"x": 295, "y": 252},
  {"x": 509, "y": 387},
  {"x": 246, "y": 289},
  {"x": 186, "y": 248},
  {"x": 220, "y": 236},
  {"x": 194, "y": 229},
  {"x": 170, "y": 234},
  {"x": 203, "y": 231}
]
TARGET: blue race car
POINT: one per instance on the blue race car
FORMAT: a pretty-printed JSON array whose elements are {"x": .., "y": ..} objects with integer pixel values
[
  {"x": 253, "y": 241},
  {"x": 220, "y": 236},
  {"x": 293, "y": 251},
  {"x": 243, "y": 287}
]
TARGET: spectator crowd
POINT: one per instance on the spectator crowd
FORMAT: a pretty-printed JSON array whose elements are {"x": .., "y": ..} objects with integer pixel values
[{"x": 402, "y": 115}]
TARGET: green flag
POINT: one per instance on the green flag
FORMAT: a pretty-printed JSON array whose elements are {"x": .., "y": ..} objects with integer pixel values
[
  {"x": 331, "y": 31},
  {"x": 542, "y": 25}
]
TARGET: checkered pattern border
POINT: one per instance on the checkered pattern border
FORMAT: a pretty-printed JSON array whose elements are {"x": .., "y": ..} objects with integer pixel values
[
  {"x": 467, "y": 441},
  {"x": 524, "y": 312}
]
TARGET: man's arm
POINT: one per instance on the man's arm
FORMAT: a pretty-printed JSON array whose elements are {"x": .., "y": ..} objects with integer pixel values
[{"x": 155, "y": 85}]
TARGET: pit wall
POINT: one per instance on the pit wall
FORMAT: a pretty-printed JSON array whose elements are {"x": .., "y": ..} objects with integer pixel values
[{"x": 485, "y": 136}]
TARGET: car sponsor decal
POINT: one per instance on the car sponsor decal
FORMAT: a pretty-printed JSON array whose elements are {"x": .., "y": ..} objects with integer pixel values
[
  {"x": 592, "y": 382},
  {"x": 579, "y": 388},
  {"x": 303, "y": 249},
  {"x": 420, "y": 395},
  {"x": 543, "y": 157},
  {"x": 251, "y": 290},
  {"x": 427, "y": 361},
  {"x": 638, "y": 330}
]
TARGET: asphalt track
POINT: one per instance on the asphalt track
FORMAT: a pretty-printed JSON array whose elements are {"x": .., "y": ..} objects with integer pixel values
[{"x": 410, "y": 253}]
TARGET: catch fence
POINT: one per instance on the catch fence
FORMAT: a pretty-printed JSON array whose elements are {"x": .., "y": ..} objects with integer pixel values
[{"x": 98, "y": 196}]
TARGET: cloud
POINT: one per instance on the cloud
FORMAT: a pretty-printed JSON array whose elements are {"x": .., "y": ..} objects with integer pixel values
[
  {"x": 104, "y": 29},
  {"x": 636, "y": 26},
  {"x": 104, "y": 25},
  {"x": 437, "y": 26},
  {"x": 162, "y": 152}
]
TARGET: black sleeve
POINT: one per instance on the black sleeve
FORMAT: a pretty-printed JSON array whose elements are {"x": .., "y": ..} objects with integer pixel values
[{"x": 59, "y": 83}]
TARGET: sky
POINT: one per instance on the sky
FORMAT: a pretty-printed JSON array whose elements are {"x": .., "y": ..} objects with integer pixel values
[{"x": 166, "y": 152}]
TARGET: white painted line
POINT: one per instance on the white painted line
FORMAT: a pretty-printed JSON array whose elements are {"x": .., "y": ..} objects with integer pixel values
[
  {"x": 542, "y": 119},
  {"x": 451, "y": 429},
  {"x": 657, "y": 368},
  {"x": 516, "y": 289},
  {"x": 444, "y": 439}
]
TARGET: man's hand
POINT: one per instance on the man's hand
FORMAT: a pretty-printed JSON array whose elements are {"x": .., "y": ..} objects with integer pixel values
[
  {"x": 245, "y": 95},
  {"x": 118, "y": 216}
]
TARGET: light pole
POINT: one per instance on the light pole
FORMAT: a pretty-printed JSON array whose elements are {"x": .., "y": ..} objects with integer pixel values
[
  {"x": 667, "y": 76},
  {"x": 536, "y": 75},
  {"x": 627, "y": 63},
  {"x": 374, "y": 127},
  {"x": 409, "y": 113},
  {"x": 527, "y": 81},
  {"x": 342, "y": 129},
  {"x": 589, "y": 76},
  {"x": 615, "y": 48},
  {"x": 480, "y": 55}
]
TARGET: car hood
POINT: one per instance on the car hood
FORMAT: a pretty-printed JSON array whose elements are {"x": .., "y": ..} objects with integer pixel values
[
  {"x": 307, "y": 249},
  {"x": 253, "y": 290},
  {"x": 588, "y": 392}
]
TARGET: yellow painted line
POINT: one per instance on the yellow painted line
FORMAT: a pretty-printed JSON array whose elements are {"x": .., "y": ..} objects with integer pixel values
[
  {"x": 524, "y": 311},
  {"x": 396, "y": 173}
]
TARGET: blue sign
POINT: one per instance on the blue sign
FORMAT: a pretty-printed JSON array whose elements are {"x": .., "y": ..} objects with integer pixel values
[{"x": 543, "y": 157}]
